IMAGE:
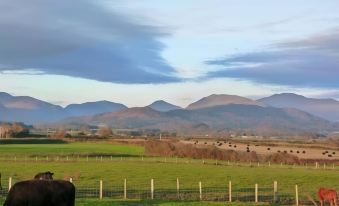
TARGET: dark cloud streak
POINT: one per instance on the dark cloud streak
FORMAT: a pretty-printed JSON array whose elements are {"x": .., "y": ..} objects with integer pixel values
[
  {"x": 80, "y": 38},
  {"x": 312, "y": 62}
]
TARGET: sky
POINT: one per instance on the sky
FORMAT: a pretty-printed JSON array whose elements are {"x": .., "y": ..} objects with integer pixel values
[{"x": 138, "y": 51}]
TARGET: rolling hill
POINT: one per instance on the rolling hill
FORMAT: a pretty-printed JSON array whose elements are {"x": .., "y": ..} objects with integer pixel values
[
  {"x": 221, "y": 99},
  {"x": 217, "y": 118},
  {"x": 31, "y": 111},
  {"x": 278, "y": 113},
  {"x": 325, "y": 108},
  {"x": 163, "y": 106},
  {"x": 92, "y": 108}
]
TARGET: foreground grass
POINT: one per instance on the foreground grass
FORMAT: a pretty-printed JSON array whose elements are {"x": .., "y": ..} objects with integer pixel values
[
  {"x": 106, "y": 202},
  {"x": 139, "y": 173},
  {"x": 160, "y": 203},
  {"x": 87, "y": 174}
]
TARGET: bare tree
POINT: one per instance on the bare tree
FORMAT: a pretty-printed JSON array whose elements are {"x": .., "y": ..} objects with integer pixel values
[{"x": 105, "y": 131}]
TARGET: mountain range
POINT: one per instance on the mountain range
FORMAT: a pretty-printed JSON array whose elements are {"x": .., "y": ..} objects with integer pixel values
[
  {"x": 211, "y": 119},
  {"x": 280, "y": 112}
]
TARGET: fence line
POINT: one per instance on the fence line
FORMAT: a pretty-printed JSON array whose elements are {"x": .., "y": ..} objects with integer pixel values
[
  {"x": 110, "y": 158},
  {"x": 259, "y": 193}
]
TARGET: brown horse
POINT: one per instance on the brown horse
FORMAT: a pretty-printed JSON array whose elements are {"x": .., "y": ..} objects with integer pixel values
[{"x": 328, "y": 195}]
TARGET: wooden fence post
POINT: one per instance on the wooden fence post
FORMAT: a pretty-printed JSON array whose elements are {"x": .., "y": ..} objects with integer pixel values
[
  {"x": 296, "y": 195},
  {"x": 256, "y": 192},
  {"x": 316, "y": 165},
  {"x": 230, "y": 191},
  {"x": 125, "y": 189},
  {"x": 9, "y": 183},
  {"x": 100, "y": 191},
  {"x": 71, "y": 180},
  {"x": 275, "y": 191},
  {"x": 200, "y": 191},
  {"x": 178, "y": 188},
  {"x": 152, "y": 189}
]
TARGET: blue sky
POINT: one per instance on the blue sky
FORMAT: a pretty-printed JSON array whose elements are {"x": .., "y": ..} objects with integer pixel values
[{"x": 136, "y": 52}]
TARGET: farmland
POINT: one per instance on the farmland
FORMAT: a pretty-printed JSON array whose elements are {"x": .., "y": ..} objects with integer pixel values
[{"x": 88, "y": 163}]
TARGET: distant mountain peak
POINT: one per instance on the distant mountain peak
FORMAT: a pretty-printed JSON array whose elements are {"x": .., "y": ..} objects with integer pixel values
[
  {"x": 163, "y": 106},
  {"x": 221, "y": 99},
  {"x": 92, "y": 108},
  {"x": 325, "y": 108}
]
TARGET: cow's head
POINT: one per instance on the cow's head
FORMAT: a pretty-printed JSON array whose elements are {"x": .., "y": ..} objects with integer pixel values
[{"x": 44, "y": 176}]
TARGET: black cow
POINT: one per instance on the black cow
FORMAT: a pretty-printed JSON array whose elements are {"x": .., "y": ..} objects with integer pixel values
[
  {"x": 41, "y": 193},
  {"x": 44, "y": 176}
]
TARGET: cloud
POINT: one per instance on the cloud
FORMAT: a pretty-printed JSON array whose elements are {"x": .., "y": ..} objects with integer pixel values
[
  {"x": 312, "y": 62},
  {"x": 80, "y": 38}
]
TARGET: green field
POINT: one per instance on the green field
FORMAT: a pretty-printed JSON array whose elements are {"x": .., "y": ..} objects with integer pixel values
[
  {"x": 69, "y": 149},
  {"x": 127, "y": 163}
]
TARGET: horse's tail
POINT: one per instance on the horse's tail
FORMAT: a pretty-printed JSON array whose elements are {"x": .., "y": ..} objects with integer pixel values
[{"x": 311, "y": 199}]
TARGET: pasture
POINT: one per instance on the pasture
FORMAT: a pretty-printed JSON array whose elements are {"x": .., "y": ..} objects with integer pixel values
[
  {"x": 88, "y": 163},
  {"x": 303, "y": 150}
]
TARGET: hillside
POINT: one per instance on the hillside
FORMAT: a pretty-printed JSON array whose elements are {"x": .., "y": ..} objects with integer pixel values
[
  {"x": 218, "y": 118},
  {"x": 325, "y": 108},
  {"x": 221, "y": 99},
  {"x": 163, "y": 106},
  {"x": 31, "y": 111},
  {"x": 92, "y": 108}
]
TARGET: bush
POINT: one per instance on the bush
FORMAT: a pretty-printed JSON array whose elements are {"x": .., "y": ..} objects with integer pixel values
[{"x": 171, "y": 149}]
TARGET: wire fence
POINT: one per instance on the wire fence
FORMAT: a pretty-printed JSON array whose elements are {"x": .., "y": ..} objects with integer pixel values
[
  {"x": 176, "y": 160},
  {"x": 125, "y": 190},
  {"x": 287, "y": 195}
]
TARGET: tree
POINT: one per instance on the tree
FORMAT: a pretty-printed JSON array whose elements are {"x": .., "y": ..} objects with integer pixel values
[{"x": 105, "y": 131}]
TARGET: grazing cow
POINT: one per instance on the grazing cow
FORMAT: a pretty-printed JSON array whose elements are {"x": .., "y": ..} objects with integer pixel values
[
  {"x": 328, "y": 195},
  {"x": 41, "y": 193},
  {"x": 44, "y": 176}
]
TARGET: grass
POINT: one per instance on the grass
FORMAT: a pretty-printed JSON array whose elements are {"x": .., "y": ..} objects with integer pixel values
[
  {"x": 69, "y": 149},
  {"x": 139, "y": 173},
  {"x": 160, "y": 203},
  {"x": 108, "y": 202},
  {"x": 87, "y": 174}
]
